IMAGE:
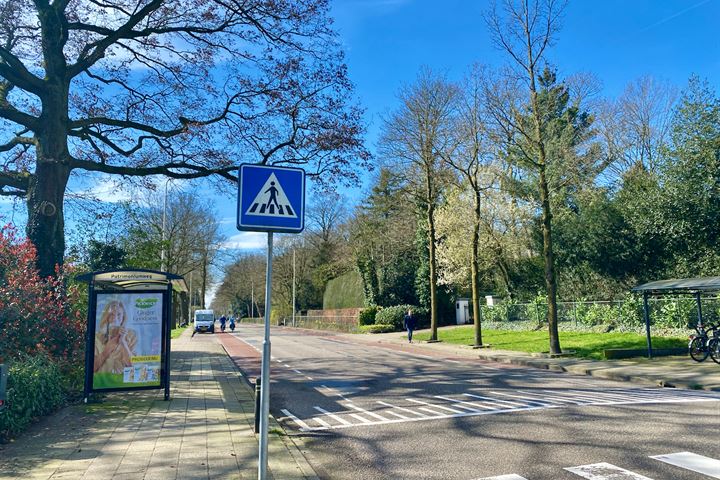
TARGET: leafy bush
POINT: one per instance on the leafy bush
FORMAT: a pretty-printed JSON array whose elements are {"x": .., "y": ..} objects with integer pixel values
[
  {"x": 394, "y": 316},
  {"x": 35, "y": 388},
  {"x": 43, "y": 309},
  {"x": 676, "y": 314},
  {"x": 367, "y": 315},
  {"x": 377, "y": 328}
]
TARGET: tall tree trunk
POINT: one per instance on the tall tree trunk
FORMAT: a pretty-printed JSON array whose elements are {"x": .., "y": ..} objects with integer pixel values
[
  {"x": 431, "y": 248},
  {"x": 46, "y": 225},
  {"x": 204, "y": 280},
  {"x": 548, "y": 256},
  {"x": 474, "y": 272}
]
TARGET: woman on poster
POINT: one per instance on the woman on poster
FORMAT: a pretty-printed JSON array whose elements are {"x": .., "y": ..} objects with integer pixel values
[{"x": 114, "y": 343}]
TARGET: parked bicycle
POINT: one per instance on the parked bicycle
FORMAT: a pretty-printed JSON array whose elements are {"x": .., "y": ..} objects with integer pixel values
[
  {"x": 699, "y": 345},
  {"x": 713, "y": 345}
]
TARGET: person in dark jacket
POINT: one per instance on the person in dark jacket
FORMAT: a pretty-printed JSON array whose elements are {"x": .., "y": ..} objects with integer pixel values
[{"x": 409, "y": 322}]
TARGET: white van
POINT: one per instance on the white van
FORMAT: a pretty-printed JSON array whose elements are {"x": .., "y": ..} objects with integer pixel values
[{"x": 204, "y": 321}]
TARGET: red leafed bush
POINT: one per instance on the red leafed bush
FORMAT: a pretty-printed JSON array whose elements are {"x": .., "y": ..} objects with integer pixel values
[{"x": 36, "y": 314}]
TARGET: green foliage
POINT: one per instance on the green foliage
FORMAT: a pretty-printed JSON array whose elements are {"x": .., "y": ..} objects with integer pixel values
[
  {"x": 679, "y": 313},
  {"x": 35, "y": 388},
  {"x": 367, "y": 315},
  {"x": 346, "y": 291},
  {"x": 105, "y": 256},
  {"x": 394, "y": 316},
  {"x": 377, "y": 328}
]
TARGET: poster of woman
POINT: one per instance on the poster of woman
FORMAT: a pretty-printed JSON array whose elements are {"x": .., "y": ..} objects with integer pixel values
[{"x": 128, "y": 339}]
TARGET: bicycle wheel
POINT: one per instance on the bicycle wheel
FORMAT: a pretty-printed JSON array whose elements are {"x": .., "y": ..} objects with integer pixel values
[
  {"x": 698, "y": 349},
  {"x": 713, "y": 347}
]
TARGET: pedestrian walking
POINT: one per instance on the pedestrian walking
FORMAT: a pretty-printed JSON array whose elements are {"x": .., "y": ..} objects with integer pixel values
[{"x": 409, "y": 322}]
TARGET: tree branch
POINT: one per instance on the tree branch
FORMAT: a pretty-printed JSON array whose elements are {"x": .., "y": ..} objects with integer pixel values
[{"x": 168, "y": 169}]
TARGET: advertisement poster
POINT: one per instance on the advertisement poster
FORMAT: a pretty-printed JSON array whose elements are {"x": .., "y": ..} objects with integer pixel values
[{"x": 128, "y": 340}]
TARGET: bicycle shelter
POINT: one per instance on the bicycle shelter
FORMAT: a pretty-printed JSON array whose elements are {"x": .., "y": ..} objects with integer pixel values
[
  {"x": 127, "y": 345},
  {"x": 682, "y": 286}
]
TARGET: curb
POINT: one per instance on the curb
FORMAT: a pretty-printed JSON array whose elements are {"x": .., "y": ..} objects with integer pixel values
[{"x": 293, "y": 449}]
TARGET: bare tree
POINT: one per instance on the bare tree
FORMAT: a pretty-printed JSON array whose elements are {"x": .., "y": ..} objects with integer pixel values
[
  {"x": 637, "y": 124},
  {"x": 473, "y": 158},
  {"x": 135, "y": 88},
  {"x": 414, "y": 139},
  {"x": 524, "y": 30}
]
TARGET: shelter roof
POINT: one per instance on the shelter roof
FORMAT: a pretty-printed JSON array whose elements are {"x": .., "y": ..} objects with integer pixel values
[
  {"x": 134, "y": 279},
  {"x": 680, "y": 286}
]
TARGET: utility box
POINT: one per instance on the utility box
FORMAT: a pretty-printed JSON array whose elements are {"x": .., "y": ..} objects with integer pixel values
[
  {"x": 3, "y": 384},
  {"x": 489, "y": 300},
  {"x": 462, "y": 311}
]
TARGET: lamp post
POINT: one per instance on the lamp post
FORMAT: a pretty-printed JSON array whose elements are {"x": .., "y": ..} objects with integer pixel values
[{"x": 162, "y": 252}]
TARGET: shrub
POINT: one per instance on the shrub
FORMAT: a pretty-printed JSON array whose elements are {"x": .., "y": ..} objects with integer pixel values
[
  {"x": 35, "y": 387},
  {"x": 679, "y": 313},
  {"x": 367, "y": 315},
  {"x": 35, "y": 313},
  {"x": 377, "y": 328},
  {"x": 394, "y": 316}
]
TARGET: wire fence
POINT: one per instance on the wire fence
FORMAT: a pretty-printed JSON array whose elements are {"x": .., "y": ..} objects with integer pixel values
[{"x": 671, "y": 314}]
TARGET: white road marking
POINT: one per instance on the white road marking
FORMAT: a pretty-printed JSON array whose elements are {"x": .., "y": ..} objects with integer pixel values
[
  {"x": 286, "y": 365},
  {"x": 309, "y": 378},
  {"x": 554, "y": 398},
  {"x": 302, "y": 424},
  {"x": 322, "y": 422},
  {"x": 452, "y": 361},
  {"x": 297, "y": 371},
  {"x": 332, "y": 415},
  {"x": 523, "y": 397},
  {"x": 512, "y": 476},
  {"x": 390, "y": 412},
  {"x": 495, "y": 400},
  {"x": 352, "y": 405},
  {"x": 434, "y": 412},
  {"x": 691, "y": 461},
  {"x": 461, "y": 404},
  {"x": 358, "y": 417},
  {"x": 403, "y": 409},
  {"x": 433, "y": 405},
  {"x": 605, "y": 471}
]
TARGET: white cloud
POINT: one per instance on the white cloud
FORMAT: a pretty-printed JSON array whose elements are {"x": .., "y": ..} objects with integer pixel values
[{"x": 246, "y": 241}]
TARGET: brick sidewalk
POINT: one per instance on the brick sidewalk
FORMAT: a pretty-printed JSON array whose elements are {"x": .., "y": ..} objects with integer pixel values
[{"x": 204, "y": 431}]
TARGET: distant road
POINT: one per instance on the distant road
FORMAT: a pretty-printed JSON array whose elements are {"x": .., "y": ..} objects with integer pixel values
[{"x": 371, "y": 412}]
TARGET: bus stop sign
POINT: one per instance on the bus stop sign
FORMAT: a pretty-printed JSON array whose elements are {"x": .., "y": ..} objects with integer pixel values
[{"x": 271, "y": 199}]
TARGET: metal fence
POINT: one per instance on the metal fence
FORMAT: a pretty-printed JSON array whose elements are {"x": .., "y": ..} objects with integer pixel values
[{"x": 345, "y": 324}]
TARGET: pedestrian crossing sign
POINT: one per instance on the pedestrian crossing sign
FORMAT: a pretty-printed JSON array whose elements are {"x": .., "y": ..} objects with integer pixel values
[{"x": 271, "y": 199}]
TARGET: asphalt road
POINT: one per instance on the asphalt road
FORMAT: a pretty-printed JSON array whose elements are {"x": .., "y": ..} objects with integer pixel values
[{"x": 371, "y": 412}]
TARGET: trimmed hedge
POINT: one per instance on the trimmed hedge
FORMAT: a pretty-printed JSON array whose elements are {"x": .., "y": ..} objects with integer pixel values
[
  {"x": 35, "y": 388},
  {"x": 367, "y": 315},
  {"x": 394, "y": 316},
  {"x": 377, "y": 328}
]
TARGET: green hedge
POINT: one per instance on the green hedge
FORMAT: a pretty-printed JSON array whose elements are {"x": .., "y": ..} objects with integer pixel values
[
  {"x": 367, "y": 315},
  {"x": 36, "y": 387},
  {"x": 394, "y": 316},
  {"x": 345, "y": 291},
  {"x": 377, "y": 328}
]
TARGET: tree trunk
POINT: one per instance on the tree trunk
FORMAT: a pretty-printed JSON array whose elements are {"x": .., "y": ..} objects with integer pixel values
[
  {"x": 549, "y": 258},
  {"x": 46, "y": 225},
  {"x": 474, "y": 272},
  {"x": 204, "y": 281},
  {"x": 433, "y": 266}
]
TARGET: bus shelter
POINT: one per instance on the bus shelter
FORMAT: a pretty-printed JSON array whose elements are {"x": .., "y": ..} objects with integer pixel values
[
  {"x": 127, "y": 344},
  {"x": 683, "y": 286}
]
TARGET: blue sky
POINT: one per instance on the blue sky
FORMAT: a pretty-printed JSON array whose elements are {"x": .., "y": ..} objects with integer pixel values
[{"x": 387, "y": 41}]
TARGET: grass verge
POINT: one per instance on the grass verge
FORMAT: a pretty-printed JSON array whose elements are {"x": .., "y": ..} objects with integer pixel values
[
  {"x": 176, "y": 332},
  {"x": 586, "y": 345}
]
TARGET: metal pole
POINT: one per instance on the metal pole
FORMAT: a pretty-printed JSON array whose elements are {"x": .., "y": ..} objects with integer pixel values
[
  {"x": 293, "y": 305},
  {"x": 646, "y": 313},
  {"x": 265, "y": 376},
  {"x": 162, "y": 252},
  {"x": 252, "y": 300},
  {"x": 699, "y": 310}
]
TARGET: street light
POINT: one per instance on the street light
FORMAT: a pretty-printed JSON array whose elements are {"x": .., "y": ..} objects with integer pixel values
[{"x": 162, "y": 252}]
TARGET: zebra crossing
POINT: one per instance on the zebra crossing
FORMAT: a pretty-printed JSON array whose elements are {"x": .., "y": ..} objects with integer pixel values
[
  {"x": 479, "y": 402},
  {"x": 689, "y": 461}
]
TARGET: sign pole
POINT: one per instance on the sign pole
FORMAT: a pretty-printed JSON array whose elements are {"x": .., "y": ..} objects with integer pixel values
[{"x": 265, "y": 375}]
